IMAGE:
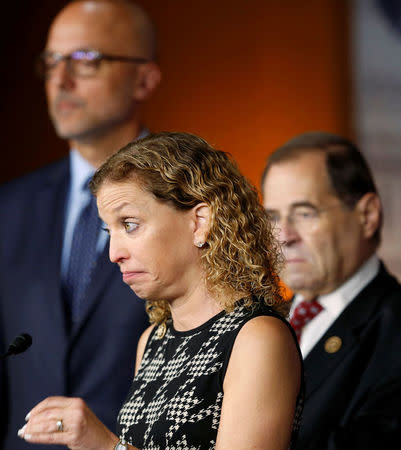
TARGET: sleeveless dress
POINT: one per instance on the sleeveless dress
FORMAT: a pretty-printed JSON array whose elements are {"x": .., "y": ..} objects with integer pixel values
[{"x": 175, "y": 400}]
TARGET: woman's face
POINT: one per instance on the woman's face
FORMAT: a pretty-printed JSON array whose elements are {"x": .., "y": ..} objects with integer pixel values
[{"x": 152, "y": 242}]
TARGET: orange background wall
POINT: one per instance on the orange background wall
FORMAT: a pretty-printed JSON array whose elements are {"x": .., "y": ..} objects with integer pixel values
[
  {"x": 249, "y": 75},
  {"x": 244, "y": 75}
]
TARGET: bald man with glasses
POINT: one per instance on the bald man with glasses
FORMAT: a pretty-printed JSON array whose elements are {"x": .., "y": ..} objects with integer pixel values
[
  {"x": 346, "y": 312},
  {"x": 99, "y": 68}
]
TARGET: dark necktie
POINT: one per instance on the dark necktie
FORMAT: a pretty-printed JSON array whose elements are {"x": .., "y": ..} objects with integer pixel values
[
  {"x": 304, "y": 313},
  {"x": 82, "y": 256}
]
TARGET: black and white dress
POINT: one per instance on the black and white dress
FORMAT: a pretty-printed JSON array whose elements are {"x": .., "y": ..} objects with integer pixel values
[{"x": 175, "y": 400}]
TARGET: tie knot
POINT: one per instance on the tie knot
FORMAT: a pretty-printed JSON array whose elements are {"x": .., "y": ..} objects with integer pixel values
[{"x": 303, "y": 313}]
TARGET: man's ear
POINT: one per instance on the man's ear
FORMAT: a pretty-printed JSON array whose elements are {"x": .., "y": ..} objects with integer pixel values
[
  {"x": 147, "y": 79},
  {"x": 369, "y": 210},
  {"x": 201, "y": 221}
]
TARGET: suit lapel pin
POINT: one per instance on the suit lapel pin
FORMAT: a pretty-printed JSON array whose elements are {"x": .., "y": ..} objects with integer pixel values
[{"x": 333, "y": 344}]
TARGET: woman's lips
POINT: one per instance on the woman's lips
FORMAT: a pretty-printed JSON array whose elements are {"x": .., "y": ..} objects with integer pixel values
[{"x": 132, "y": 276}]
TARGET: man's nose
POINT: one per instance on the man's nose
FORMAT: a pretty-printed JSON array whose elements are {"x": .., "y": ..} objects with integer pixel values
[
  {"x": 287, "y": 232},
  {"x": 61, "y": 75}
]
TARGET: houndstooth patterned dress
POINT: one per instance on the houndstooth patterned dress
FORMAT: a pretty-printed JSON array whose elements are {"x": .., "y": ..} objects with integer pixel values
[{"x": 175, "y": 399}]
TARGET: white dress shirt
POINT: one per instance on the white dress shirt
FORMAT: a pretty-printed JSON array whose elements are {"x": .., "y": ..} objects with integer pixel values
[{"x": 334, "y": 304}]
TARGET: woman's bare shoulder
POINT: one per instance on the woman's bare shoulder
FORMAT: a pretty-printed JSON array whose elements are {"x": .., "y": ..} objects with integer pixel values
[{"x": 141, "y": 346}]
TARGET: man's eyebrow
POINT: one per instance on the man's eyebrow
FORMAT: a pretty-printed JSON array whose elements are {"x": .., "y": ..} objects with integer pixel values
[{"x": 301, "y": 204}]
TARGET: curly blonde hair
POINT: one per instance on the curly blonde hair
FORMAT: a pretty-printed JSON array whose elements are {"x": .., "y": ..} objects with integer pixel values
[{"x": 241, "y": 254}]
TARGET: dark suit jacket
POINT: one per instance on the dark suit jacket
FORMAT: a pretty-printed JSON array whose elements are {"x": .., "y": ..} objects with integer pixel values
[
  {"x": 353, "y": 396},
  {"x": 95, "y": 360}
]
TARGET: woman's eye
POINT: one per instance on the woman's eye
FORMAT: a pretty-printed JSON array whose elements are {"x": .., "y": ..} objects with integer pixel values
[{"x": 130, "y": 226}]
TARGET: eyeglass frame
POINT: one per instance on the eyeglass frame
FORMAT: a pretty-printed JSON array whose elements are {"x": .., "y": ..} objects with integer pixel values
[
  {"x": 97, "y": 57},
  {"x": 290, "y": 217}
]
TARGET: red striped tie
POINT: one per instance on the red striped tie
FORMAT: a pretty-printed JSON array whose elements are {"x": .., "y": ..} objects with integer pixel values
[{"x": 304, "y": 313}]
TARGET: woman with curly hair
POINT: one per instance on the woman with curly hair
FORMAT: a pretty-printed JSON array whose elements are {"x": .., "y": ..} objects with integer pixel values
[{"x": 219, "y": 367}]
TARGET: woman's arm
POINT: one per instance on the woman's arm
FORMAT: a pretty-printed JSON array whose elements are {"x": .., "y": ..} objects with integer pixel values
[
  {"x": 260, "y": 388},
  {"x": 82, "y": 430}
]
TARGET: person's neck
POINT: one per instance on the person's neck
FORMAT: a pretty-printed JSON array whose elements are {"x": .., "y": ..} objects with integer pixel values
[
  {"x": 198, "y": 306},
  {"x": 194, "y": 309},
  {"x": 97, "y": 149}
]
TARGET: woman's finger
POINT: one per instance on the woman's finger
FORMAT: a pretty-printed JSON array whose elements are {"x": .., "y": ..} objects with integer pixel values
[
  {"x": 46, "y": 423},
  {"x": 51, "y": 403},
  {"x": 46, "y": 431},
  {"x": 66, "y": 421},
  {"x": 54, "y": 417}
]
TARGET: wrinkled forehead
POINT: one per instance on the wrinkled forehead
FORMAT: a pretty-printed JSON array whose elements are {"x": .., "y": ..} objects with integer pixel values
[
  {"x": 99, "y": 25},
  {"x": 299, "y": 180},
  {"x": 124, "y": 191}
]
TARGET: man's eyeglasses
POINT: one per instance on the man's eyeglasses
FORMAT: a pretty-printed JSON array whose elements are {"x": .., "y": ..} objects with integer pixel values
[
  {"x": 79, "y": 63},
  {"x": 301, "y": 217}
]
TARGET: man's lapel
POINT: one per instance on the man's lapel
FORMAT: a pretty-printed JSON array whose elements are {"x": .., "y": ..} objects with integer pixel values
[
  {"x": 344, "y": 335},
  {"x": 51, "y": 200}
]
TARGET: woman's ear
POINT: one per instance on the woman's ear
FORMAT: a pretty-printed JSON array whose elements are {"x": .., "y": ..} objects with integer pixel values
[
  {"x": 201, "y": 217},
  {"x": 147, "y": 79},
  {"x": 369, "y": 210}
]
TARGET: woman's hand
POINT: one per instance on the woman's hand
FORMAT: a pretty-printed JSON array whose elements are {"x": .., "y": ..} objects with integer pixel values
[{"x": 67, "y": 421}]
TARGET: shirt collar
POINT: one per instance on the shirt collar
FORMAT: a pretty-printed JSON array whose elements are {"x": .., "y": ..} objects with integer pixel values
[{"x": 81, "y": 171}]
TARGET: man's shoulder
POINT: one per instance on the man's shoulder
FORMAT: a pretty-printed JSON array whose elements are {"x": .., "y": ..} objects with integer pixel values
[
  {"x": 24, "y": 185},
  {"x": 376, "y": 309},
  {"x": 384, "y": 294},
  {"x": 384, "y": 288},
  {"x": 389, "y": 286}
]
